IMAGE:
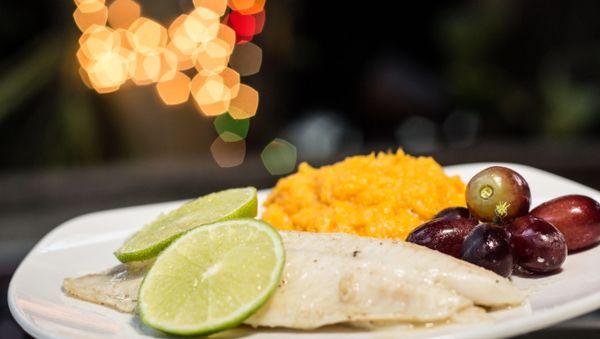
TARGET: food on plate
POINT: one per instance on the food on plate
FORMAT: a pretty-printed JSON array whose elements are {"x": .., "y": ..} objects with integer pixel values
[
  {"x": 443, "y": 234},
  {"x": 576, "y": 216},
  {"x": 455, "y": 213},
  {"x": 212, "y": 278},
  {"x": 538, "y": 246},
  {"x": 373, "y": 280},
  {"x": 155, "y": 236},
  {"x": 116, "y": 287},
  {"x": 539, "y": 240},
  {"x": 332, "y": 260},
  {"x": 498, "y": 194},
  {"x": 489, "y": 246},
  {"x": 385, "y": 196}
]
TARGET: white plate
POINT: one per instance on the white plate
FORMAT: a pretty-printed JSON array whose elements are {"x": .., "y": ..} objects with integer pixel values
[{"x": 85, "y": 244}]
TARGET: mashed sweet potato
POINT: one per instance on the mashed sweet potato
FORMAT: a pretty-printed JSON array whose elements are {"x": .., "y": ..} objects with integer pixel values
[{"x": 385, "y": 195}]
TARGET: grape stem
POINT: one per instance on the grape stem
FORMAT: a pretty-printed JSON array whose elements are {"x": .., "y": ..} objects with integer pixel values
[{"x": 501, "y": 211}]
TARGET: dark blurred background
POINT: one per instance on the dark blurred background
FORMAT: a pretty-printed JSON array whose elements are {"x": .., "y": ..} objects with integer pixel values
[{"x": 464, "y": 81}]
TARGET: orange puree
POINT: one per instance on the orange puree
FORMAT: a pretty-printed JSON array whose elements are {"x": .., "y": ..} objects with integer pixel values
[{"x": 385, "y": 195}]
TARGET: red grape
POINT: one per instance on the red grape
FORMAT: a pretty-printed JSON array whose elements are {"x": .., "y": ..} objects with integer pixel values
[
  {"x": 454, "y": 213},
  {"x": 498, "y": 194},
  {"x": 444, "y": 235},
  {"x": 538, "y": 246},
  {"x": 488, "y": 246},
  {"x": 576, "y": 216}
]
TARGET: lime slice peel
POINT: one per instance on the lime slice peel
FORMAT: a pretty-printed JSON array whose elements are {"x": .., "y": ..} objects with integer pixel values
[
  {"x": 212, "y": 278},
  {"x": 214, "y": 207}
]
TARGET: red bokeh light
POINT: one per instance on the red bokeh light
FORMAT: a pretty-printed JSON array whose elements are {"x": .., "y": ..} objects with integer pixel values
[{"x": 246, "y": 26}]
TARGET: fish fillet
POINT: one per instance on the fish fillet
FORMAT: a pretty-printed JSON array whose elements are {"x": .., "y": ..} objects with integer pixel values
[{"x": 341, "y": 278}]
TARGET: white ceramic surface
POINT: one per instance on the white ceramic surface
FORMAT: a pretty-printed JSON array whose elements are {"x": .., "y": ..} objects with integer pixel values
[{"x": 85, "y": 244}]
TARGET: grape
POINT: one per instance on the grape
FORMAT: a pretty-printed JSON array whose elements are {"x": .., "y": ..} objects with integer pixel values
[
  {"x": 454, "y": 213},
  {"x": 576, "y": 216},
  {"x": 498, "y": 194},
  {"x": 444, "y": 235},
  {"x": 538, "y": 246},
  {"x": 489, "y": 246}
]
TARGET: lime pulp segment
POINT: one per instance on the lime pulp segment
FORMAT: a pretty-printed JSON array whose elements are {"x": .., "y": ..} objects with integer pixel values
[
  {"x": 219, "y": 206},
  {"x": 212, "y": 278}
]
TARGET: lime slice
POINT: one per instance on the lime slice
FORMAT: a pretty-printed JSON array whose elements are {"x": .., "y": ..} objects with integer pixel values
[
  {"x": 212, "y": 278},
  {"x": 219, "y": 206}
]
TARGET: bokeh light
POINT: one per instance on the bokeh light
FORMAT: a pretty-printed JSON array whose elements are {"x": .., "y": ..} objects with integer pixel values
[
  {"x": 174, "y": 91},
  {"x": 279, "y": 157},
  {"x": 168, "y": 65},
  {"x": 126, "y": 39},
  {"x": 214, "y": 109},
  {"x": 99, "y": 54},
  {"x": 217, "y": 6},
  {"x": 418, "y": 135},
  {"x": 181, "y": 39},
  {"x": 260, "y": 19},
  {"x": 147, "y": 68},
  {"x": 228, "y": 154},
  {"x": 108, "y": 72},
  {"x": 155, "y": 54},
  {"x": 122, "y": 13},
  {"x": 84, "y": 20},
  {"x": 245, "y": 104},
  {"x": 202, "y": 42},
  {"x": 97, "y": 40},
  {"x": 201, "y": 25},
  {"x": 84, "y": 61},
  {"x": 246, "y": 59},
  {"x": 227, "y": 35},
  {"x": 246, "y": 26},
  {"x": 207, "y": 89},
  {"x": 127, "y": 46},
  {"x": 184, "y": 61},
  {"x": 231, "y": 79},
  {"x": 247, "y": 6},
  {"x": 89, "y": 6},
  {"x": 213, "y": 58},
  {"x": 230, "y": 129},
  {"x": 211, "y": 94},
  {"x": 149, "y": 35}
]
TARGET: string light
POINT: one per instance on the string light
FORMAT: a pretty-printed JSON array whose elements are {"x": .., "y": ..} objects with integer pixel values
[
  {"x": 213, "y": 58},
  {"x": 245, "y": 104},
  {"x": 230, "y": 129},
  {"x": 122, "y": 13},
  {"x": 211, "y": 94},
  {"x": 84, "y": 20},
  {"x": 115, "y": 34},
  {"x": 246, "y": 59},
  {"x": 246, "y": 26},
  {"x": 217, "y": 6},
  {"x": 149, "y": 35},
  {"x": 89, "y": 6},
  {"x": 176, "y": 90},
  {"x": 279, "y": 157},
  {"x": 194, "y": 54},
  {"x": 228, "y": 154}
]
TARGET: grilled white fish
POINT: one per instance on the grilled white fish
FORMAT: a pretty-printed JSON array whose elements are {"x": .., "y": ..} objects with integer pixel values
[{"x": 341, "y": 278}]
